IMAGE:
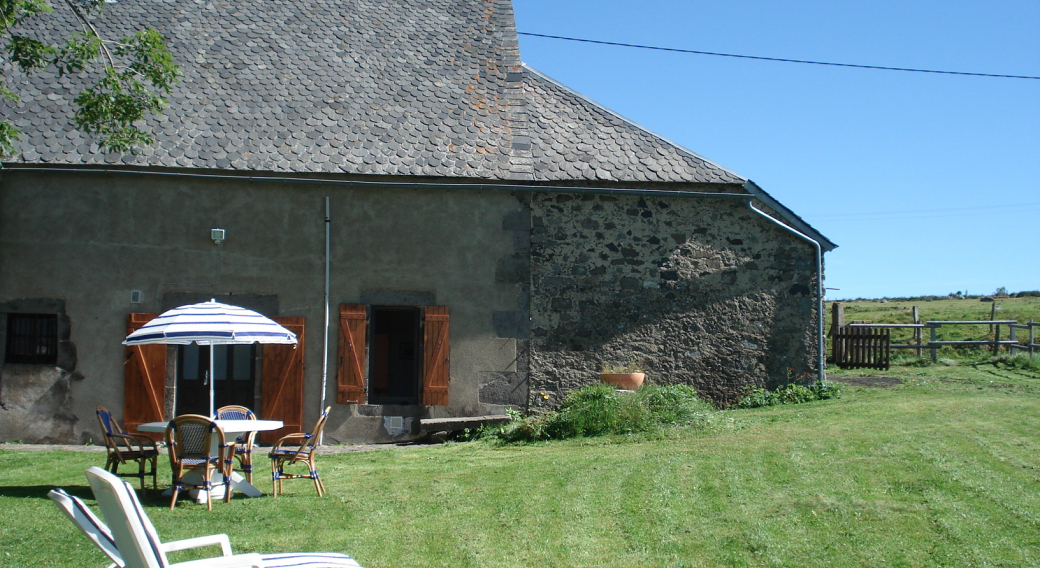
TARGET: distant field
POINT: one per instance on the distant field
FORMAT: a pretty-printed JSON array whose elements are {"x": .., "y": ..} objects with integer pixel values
[{"x": 901, "y": 311}]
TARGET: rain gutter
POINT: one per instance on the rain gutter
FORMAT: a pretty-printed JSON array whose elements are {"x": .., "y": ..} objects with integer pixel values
[{"x": 503, "y": 186}]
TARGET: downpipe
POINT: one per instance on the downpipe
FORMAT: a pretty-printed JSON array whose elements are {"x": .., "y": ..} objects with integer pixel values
[{"x": 820, "y": 344}]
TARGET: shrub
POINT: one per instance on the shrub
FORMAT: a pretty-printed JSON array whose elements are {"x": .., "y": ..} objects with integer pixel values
[
  {"x": 598, "y": 410},
  {"x": 790, "y": 394}
]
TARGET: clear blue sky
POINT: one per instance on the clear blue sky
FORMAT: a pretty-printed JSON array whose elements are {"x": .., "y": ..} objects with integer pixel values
[{"x": 929, "y": 184}]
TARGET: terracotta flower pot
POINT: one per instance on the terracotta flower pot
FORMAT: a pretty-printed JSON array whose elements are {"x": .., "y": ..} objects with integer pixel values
[{"x": 626, "y": 381}]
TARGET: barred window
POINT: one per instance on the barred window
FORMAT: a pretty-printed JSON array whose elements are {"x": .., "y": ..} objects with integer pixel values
[{"x": 32, "y": 339}]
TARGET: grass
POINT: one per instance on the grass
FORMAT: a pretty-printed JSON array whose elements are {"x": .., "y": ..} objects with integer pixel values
[{"x": 940, "y": 470}]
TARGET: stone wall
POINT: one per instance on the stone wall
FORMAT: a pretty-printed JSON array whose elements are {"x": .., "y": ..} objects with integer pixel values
[{"x": 702, "y": 290}]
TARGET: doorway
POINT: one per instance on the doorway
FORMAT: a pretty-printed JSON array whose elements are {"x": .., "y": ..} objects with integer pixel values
[
  {"x": 234, "y": 373},
  {"x": 395, "y": 355}
]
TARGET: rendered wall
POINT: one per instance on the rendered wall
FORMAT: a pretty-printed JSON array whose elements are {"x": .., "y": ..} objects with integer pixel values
[
  {"x": 703, "y": 290},
  {"x": 86, "y": 240}
]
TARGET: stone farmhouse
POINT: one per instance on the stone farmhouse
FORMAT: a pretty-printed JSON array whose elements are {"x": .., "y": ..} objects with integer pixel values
[{"x": 493, "y": 237}]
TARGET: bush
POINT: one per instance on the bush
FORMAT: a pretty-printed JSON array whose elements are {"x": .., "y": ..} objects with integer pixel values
[
  {"x": 598, "y": 410},
  {"x": 790, "y": 394}
]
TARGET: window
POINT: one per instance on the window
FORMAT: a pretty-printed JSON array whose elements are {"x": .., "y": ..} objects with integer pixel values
[
  {"x": 393, "y": 355},
  {"x": 32, "y": 339}
]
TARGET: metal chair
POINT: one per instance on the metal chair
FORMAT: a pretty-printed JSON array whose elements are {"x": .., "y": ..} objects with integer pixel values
[
  {"x": 125, "y": 447},
  {"x": 286, "y": 452},
  {"x": 244, "y": 443},
  {"x": 198, "y": 449}
]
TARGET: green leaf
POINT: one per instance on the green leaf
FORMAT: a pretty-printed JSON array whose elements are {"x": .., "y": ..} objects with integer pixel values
[
  {"x": 129, "y": 89},
  {"x": 79, "y": 51},
  {"x": 14, "y": 12},
  {"x": 30, "y": 54},
  {"x": 9, "y": 135}
]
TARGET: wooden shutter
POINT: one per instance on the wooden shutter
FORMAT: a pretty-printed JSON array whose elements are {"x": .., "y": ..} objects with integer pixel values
[
  {"x": 144, "y": 386},
  {"x": 435, "y": 355},
  {"x": 353, "y": 333},
  {"x": 281, "y": 389}
]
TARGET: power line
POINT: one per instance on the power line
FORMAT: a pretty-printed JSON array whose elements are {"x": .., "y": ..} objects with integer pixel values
[{"x": 779, "y": 59}]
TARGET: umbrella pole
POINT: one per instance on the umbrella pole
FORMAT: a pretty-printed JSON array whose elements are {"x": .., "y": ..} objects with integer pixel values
[{"x": 212, "y": 380}]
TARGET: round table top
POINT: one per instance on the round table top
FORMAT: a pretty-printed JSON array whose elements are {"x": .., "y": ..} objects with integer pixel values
[{"x": 227, "y": 426}]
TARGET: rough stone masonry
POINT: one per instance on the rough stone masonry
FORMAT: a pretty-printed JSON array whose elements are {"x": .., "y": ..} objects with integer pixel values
[{"x": 699, "y": 289}]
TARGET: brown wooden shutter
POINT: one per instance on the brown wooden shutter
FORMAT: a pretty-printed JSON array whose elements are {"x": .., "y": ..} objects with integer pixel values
[
  {"x": 281, "y": 389},
  {"x": 435, "y": 355},
  {"x": 144, "y": 387},
  {"x": 353, "y": 333}
]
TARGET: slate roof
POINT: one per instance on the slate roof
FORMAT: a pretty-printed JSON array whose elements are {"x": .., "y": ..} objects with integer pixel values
[{"x": 396, "y": 87}]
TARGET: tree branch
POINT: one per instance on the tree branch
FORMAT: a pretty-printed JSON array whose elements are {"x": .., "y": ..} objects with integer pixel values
[{"x": 83, "y": 18}]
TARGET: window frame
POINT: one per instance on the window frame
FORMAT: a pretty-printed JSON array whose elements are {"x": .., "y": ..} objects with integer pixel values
[{"x": 45, "y": 335}]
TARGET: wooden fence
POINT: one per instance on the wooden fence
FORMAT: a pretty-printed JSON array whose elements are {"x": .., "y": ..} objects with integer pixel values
[
  {"x": 1031, "y": 345},
  {"x": 851, "y": 349},
  {"x": 860, "y": 347}
]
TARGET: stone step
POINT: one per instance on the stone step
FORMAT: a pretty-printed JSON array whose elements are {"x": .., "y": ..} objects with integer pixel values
[{"x": 459, "y": 422}]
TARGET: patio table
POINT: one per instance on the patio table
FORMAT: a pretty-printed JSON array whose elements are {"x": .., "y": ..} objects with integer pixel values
[{"x": 232, "y": 429}]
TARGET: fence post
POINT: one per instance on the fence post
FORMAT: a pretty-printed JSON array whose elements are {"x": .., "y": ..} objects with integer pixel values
[
  {"x": 996, "y": 339},
  {"x": 837, "y": 323},
  {"x": 1012, "y": 337},
  {"x": 1031, "y": 339},
  {"x": 917, "y": 331},
  {"x": 935, "y": 353}
]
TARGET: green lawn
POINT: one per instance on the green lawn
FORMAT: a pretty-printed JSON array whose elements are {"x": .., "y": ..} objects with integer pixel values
[{"x": 941, "y": 470}]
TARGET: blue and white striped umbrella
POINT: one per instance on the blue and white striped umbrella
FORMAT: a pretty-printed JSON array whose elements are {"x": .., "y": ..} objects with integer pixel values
[{"x": 210, "y": 323}]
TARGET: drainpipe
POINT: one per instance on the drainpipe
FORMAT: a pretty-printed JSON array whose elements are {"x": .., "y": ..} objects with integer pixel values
[
  {"x": 820, "y": 345},
  {"x": 325, "y": 350}
]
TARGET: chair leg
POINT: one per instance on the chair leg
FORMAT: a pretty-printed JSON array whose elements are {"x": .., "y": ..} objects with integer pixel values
[
  {"x": 207, "y": 486},
  {"x": 314, "y": 475},
  {"x": 227, "y": 488},
  {"x": 274, "y": 479},
  {"x": 317, "y": 484},
  {"x": 173, "y": 500}
]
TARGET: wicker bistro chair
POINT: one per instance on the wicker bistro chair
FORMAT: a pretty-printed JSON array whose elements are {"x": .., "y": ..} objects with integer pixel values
[
  {"x": 197, "y": 448},
  {"x": 299, "y": 448},
  {"x": 244, "y": 443},
  {"x": 124, "y": 447}
]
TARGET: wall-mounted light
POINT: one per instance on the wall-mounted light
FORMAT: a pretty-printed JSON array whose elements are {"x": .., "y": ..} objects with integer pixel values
[
  {"x": 217, "y": 235},
  {"x": 135, "y": 296}
]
